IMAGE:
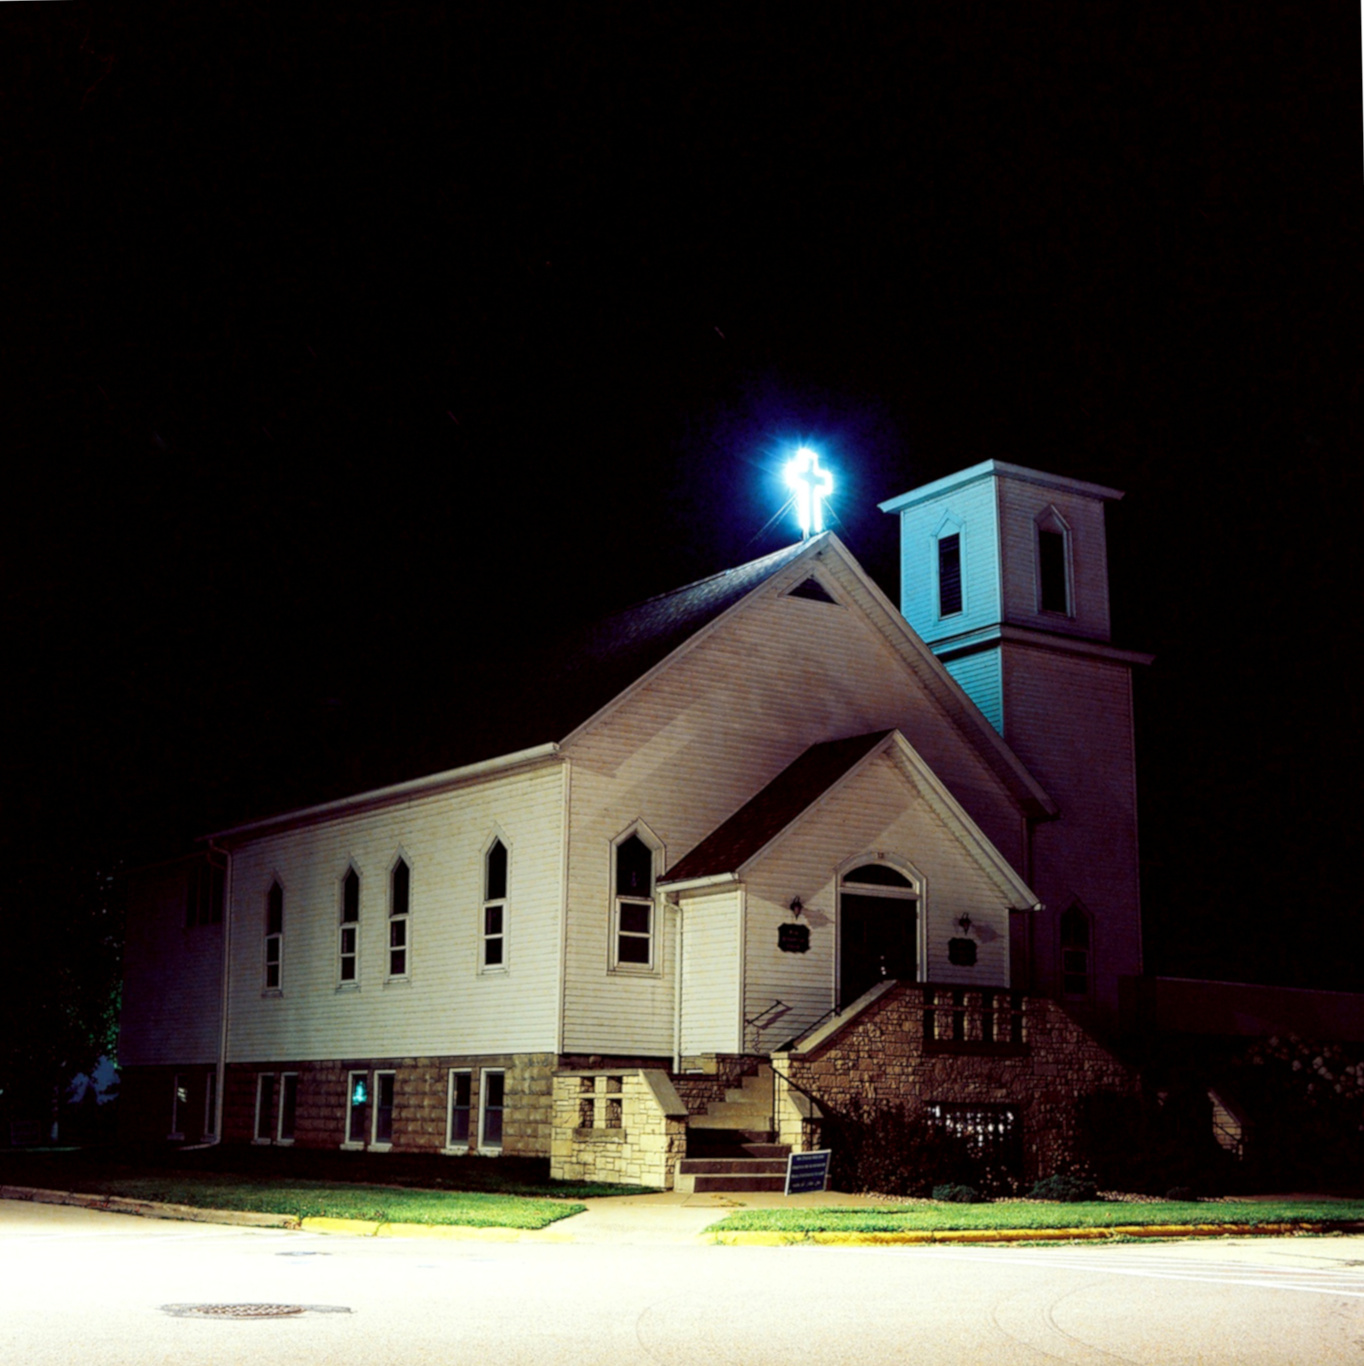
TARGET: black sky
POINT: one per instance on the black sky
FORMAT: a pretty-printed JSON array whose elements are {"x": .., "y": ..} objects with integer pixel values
[{"x": 345, "y": 347}]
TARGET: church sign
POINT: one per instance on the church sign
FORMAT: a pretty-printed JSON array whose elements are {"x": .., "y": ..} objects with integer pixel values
[
  {"x": 807, "y": 1172},
  {"x": 793, "y": 938}
]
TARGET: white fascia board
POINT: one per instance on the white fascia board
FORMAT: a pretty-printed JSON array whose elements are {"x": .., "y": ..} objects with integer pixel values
[
  {"x": 911, "y": 647},
  {"x": 988, "y": 469},
  {"x": 976, "y": 842},
  {"x": 396, "y": 792},
  {"x": 695, "y": 640},
  {"x": 696, "y": 884}
]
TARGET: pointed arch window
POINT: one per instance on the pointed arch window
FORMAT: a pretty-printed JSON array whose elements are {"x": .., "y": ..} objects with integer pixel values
[
  {"x": 274, "y": 937},
  {"x": 350, "y": 927},
  {"x": 496, "y": 867},
  {"x": 1076, "y": 948},
  {"x": 947, "y": 566},
  {"x": 399, "y": 908},
  {"x": 633, "y": 929},
  {"x": 1053, "y": 564}
]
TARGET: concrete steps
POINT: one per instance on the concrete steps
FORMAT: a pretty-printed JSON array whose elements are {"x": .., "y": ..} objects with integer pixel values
[{"x": 730, "y": 1147}]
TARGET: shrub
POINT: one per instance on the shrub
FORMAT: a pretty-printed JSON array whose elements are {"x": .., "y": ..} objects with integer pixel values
[
  {"x": 1063, "y": 1187},
  {"x": 958, "y": 1194},
  {"x": 1181, "y": 1193}
]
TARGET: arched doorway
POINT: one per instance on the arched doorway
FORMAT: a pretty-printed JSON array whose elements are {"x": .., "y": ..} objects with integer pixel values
[{"x": 878, "y": 929}]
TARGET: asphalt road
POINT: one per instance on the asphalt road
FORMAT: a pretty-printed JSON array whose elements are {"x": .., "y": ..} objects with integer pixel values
[{"x": 78, "y": 1286}]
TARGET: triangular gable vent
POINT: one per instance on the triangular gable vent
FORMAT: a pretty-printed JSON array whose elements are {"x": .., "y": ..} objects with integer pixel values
[{"x": 815, "y": 591}]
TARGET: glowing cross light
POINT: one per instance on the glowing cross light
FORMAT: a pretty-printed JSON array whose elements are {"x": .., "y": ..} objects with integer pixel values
[{"x": 811, "y": 485}]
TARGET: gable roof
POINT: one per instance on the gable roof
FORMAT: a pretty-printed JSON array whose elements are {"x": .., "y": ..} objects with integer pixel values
[
  {"x": 724, "y": 854},
  {"x": 511, "y": 714},
  {"x": 763, "y": 817}
]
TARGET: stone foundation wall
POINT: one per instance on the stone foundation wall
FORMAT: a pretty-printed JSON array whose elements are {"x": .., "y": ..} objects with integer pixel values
[
  {"x": 723, "y": 1072},
  {"x": 628, "y": 1127},
  {"x": 882, "y": 1055},
  {"x": 420, "y": 1100}
]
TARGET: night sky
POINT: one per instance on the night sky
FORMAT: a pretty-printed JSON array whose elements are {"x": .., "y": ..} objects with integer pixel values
[{"x": 345, "y": 350}]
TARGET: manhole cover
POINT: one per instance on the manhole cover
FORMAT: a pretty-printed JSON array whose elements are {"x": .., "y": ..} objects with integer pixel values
[{"x": 250, "y": 1311}]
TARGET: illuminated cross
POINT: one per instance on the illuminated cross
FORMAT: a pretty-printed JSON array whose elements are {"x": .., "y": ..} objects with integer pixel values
[{"x": 811, "y": 485}]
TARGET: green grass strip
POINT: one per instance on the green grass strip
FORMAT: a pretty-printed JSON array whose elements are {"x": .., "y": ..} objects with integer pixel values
[
  {"x": 927, "y": 1216},
  {"x": 313, "y": 1199}
]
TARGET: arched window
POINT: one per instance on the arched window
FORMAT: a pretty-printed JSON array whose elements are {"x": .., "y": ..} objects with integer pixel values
[
  {"x": 495, "y": 869},
  {"x": 1053, "y": 564},
  {"x": 350, "y": 927},
  {"x": 274, "y": 936},
  {"x": 399, "y": 907},
  {"x": 878, "y": 930},
  {"x": 632, "y": 931},
  {"x": 1075, "y": 952},
  {"x": 947, "y": 565}
]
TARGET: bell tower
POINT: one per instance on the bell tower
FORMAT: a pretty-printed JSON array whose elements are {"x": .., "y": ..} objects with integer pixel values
[{"x": 1004, "y": 574}]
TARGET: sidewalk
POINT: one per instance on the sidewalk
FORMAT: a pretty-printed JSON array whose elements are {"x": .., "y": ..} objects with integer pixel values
[{"x": 665, "y": 1217}]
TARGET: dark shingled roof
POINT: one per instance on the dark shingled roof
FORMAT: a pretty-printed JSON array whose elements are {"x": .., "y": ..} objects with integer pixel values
[
  {"x": 499, "y": 702},
  {"x": 728, "y": 847}
]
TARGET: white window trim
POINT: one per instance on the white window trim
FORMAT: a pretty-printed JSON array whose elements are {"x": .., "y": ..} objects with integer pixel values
[
  {"x": 348, "y": 1143},
  {"x": 375, "y": 1146},
  {"x": 1049, "y": 519},
  {"x": 918, "y": 894},
  {"x": 405, "y": 919},
  {"x": 279, "y": 1108},
  {"x": 949, "y": 526},
  {"x": 484, "y": 967},
  {"x": 255, "y": 1126},
  {"x": 487, "y": 1149},
  {"x": 277, "y": 939},
  {"x": 342, "y": 925},
  {"x": 653, "y": 968},
  {"x": 450, "y": 1145}
]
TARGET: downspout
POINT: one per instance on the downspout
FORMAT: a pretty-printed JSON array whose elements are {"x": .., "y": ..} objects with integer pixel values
[
  {"x": 221, "y": 1082},
  {"x": 675, "y": 901}
]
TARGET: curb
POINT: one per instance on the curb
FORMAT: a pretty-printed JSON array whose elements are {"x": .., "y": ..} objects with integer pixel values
[
  {"x": 149, "y": 1209},
  {"x": 367, "y": 1228},
  {"x": 1032, "y": 1235}
]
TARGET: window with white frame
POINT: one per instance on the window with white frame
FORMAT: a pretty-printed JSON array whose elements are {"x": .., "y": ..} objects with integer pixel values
[
  {"x": 949, "y": 573},
  {"x": 1053, "y": 564},
  {"x": 265, "y": 1107},
  {"x": 384, "y": 1088},
  {"x": 491, "y": 1099},
  {"x": 288, "y": 1107},
  {"x": 399, "y": 909},
  {"x": 357, "y": 1109},
  {"x": 350, "y": 927},
  {"x": 494, "y": 936},
  {"x": 633, "y": 901},
  {"x": 461, "y": 1096},
  {"x": 179, "y": 1102},
  {"x": 274, "y": 937},
  {"x": 210, "y": 1104}
]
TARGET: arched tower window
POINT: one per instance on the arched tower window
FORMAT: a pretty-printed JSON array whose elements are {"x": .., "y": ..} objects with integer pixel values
[{"x": 1053, "y": 564}]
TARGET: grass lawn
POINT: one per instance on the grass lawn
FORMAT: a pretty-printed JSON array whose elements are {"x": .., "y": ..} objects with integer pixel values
[
  {"x": 931, "y": 1216},
  {"x": 478, "y": 1192}
]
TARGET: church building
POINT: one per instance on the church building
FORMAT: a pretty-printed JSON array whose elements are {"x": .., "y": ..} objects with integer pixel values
[{"x": 759, "y": 846}]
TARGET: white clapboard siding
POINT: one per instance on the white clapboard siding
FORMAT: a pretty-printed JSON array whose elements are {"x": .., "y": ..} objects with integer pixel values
[
  {"x": 876, "y": 811},
  {"x": 705, "y": 734},
  {"x": 979, "y": 676},
  {"x": 1083, "y": 752},
  {"x": 446, "y": 1005},
  {"x": 172, "y": 975},
  {"x": 1020, "y": 504},
  {"x": 710, "y": 972},
  {"x": 973, "y": 514}
]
